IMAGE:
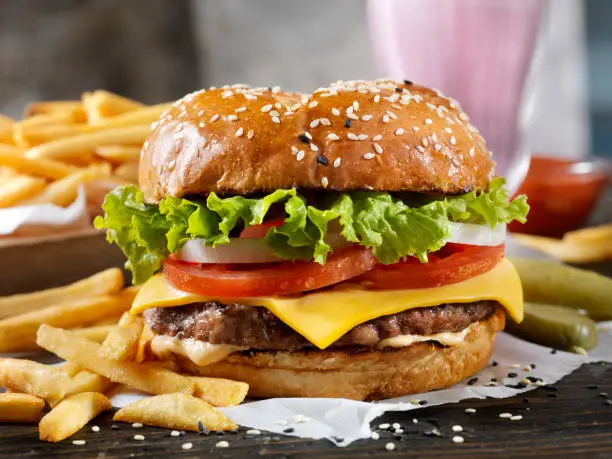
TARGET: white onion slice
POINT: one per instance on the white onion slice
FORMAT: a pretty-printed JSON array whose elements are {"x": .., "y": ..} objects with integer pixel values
[{"x": 469, "y": 233}]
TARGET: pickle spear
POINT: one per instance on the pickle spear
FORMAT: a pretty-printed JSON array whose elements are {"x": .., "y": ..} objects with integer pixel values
[
  {"x": 555, "y": 326},
  {"x": 549, "y": 282}
]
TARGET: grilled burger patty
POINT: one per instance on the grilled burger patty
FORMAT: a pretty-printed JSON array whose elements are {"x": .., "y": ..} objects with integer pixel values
[{"x": 257, "y": 328}]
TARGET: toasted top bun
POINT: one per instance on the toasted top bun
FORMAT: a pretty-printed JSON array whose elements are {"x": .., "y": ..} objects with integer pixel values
[{"x": 383, "y": 135}]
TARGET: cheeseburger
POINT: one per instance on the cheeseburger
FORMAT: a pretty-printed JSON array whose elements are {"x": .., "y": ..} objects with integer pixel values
[{"x": 346, "y": 243}]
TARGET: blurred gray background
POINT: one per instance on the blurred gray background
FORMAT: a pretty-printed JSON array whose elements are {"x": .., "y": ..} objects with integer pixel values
[{"x": 158, "y": 50}]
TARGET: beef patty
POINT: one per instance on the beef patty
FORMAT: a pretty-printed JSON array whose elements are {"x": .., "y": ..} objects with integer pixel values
[{"x": 257, "y": 328}]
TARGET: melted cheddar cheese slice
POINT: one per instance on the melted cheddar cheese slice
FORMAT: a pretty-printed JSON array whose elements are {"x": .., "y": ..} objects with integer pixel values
[{"x": 323, "y": 317}]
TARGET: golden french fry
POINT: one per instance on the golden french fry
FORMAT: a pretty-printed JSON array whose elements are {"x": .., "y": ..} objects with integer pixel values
[
  {"x": 103, "y": 104},
  {"x": 20, "y": 188},
  {"x": 127, "y": 171},
  {"x": 6, "y": 129},
  {"x": 568, "y": 251},
  {"x": 97, "y": 333},
  {"x": 145, "y": 377},
  {"x": 69, "y": 110},
  {"x": 28, "y": 135},
  {"x": 50, "y": 383},
  {"x": 86, "y": 381},
  {"x": 71, "y": 147},
  {"x": 71, "y": 415},
  {"x": 220, "y": 392},
  {"x": 64, "y": 191},
  {"x": 70, "y": 368},
  {"x": 174, "y": 411},
  {"x": 19, "y": 332},
  {"x": 7, "y": 149},
  {"x": 595, "y": 234},
  {"x": 144, "y": 343},
  {"x": 142, "y": 116},
  {"x": 47, "y": 168},
  {"x": 121, "y": 344},
  {"x": 20, "y": 408},
  {"x": 119, "y": 153},
  {"x": 107, "y": 282}
]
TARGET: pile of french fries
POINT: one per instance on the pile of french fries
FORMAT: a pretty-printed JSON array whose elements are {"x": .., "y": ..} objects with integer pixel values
[
  {"x": 588, "y": 245},
  {"x": 60, "y": 145},
  {"x": 88, "y": 325}
]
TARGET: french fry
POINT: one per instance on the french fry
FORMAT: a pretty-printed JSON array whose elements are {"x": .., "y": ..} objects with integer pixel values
[
  {"x": 64, "y": 191},
  {"x": 220, "y": 392},
  {"x": 569, "y": 251},
  {"x": 174, "y": 411},
  {"x": 103, "y": 104},
  {"x": 6, "y": 129},
  {"x": 107, "y": 282},
  {"x": 144, "y": 342},
  {"x": 97, "y": 333},
  {"x": 71, "y": 147},
  {"x": 20, "y": 188},
  {"x": 127, "y": 171},
  {"x": 121, "y": 344},
  {"x": 19, "y": 332},
  {"x": 119, "y": 153},
  {"x": 145, "y": 377},
  {"x": 28, "y": 135},
  {"x": 70, "y": 368},
  {"x": 86, "y": 381},
  {"x": 594, "y": 235},
  {"x": 142, "y": 116},
  {"x": 71, "y": 110},
  {"x": 50, "y": 383},
  {"x": 47, "y": 168},
  {"x": 71, "y": 415},
  {"x": 21, "y": 408}
]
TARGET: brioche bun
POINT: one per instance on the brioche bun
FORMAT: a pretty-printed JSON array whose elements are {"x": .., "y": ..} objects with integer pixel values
[
  {"x": 383, "y": 135},
  {"x": 370, "y": 375}
]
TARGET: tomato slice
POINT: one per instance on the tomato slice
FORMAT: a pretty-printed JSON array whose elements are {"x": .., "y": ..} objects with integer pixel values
[
  {"x": 256, "y": 231},
  {"x": 235, "y": 281},
  {"x": 452, "y": 264}
]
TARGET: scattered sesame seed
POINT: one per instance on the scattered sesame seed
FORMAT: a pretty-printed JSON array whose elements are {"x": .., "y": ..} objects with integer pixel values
[
  {"x": 385, "y": 119},
  {"x": 300, "y": 155},
  {"x": 416, "y": 128},
  {"x": 438, "y": 147},
  {"x": 250, "y": 134},
  {"x": 349, "y": 110},
  {"x": 266, "y": 108},
  {"x": 332, "y": 136},
  {"x": 276, "y": 119},
  {"x": 232, "y": 117},
  {"x": 472, "y": 151},
  {"x": 458, "y": 439},
  {"x": 399, "y": 131},
  {"x": 526, "y": 381},
  {"x": 241, "y": 109},
  {"x": 187, "y": 445},
  {"x": 390, "y": 446},
  {"x": 274, "y": 113},
  {"x": 337, "y": 162},
  {"x": 139, "y": 437},
  {"x": 313, "y": 147},
  {"x": 300, "y": 419},
  {"x": 313, "y": 104},
  {"x": 352, "y": 136},
  {"x": 505, "y": 415},
  {"x": 137, "y": 425},
  {"x": 377, "y": 98},
  {"x": 420, "y": 148},
  {"x": 175, "y": 433},
  {"x": 321, "y": 159},
  {"x": 362, "y": 137},
  {"x": 366, "y": 117},
  {"x": 222, "y": 444},
  {"x": 378, "y": 148},
  {"x": 391, "y": 114},
  {"x": 396, "y": 425},
  {"x": 239, "y": 132},
  {"x": 253, "y": 432},
  {"x": 377, "y": 137},
  {"x": 324, "y": 182},
  {"x": 470, "y": 410},
  {"x": 449, "y": 130},
  {"x": 526, "y": 368},
  {"x": 374, "y": 435},
  {"x": 425, "y": 143},
  {"x": 308, "y": 135},
  {"x": 428, "y": 121},
  {"x": 78, "y": 442},
  {"x": 356, "y": 105},
  {"x": 518, "y": 417},
  {"x": 325, "y": 121},
  {"x": 213, "y": 118},
  {"x": 335, "y": 111},
  {"x": 514, "y": 365},
  {"x": 457, "y": 428},
  {"x": 347, "y": 123},
  {"x": 384, "y": 426},
  {"x": 369, "y": 155},
  {"x": 352, "y": 116},
  {"x": 95, "y": 428},
  {"x": 314, "y": 123}
]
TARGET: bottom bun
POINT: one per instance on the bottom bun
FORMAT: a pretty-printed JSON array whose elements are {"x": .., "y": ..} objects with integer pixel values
[{"x": 359, "y": 375}]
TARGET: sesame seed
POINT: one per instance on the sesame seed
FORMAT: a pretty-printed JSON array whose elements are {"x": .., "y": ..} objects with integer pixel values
[
  {"x": 457, "y": 428},
  {"x": 425, "y": 143},
  {"x": 275, "y": 119},
  {"x": 416, "y": 128},
  {"x": 187, "y": 445},
  {"x": 313, "y": 147},
  {"x": 390, "y": 446},
  {"x": 266, "y": 108},
  {"x": 349, "y": 110},
  {"x": 514, "y": 365},
  {"x": 300, "y": 419},
  {"x": 368, "y": 155},
  {"x": 438, "y": 147},
  {"x": 420, "y": 148},
  {"x": 325, "y": 121},
  {"x": 300, "y": 155},
  {"x": 458, "y": 439},
  {"x": 322, "y": 160},
  {"x": 505, "y": 415},
  {"x": 78, "y": 442},
  {"x": 356, "y": 105},
  {"x": 396, "y": 425},
  {"x": 214, "y": 118},
  {"x": 201, "y": 124},
  {"x": 314, "y": 123},
  {"x": 337, "y": 162},
  {"x": 526, "y": 381},
  {"x": 335, "y": 111},
  {"x": 239, "y": 132},
  {"x": 453, "y": 141},
  {"x": 175, "y": 433},
  {"x": 384, "y": 426},
  {"x": 227, "y": 94},
  {"x": 434, "y": 137},
  {"x": 378, "y": 148},
  {"x": 253, "y": 432},
  {"x": 366, "y": 117},
  {"x": 463, "y": 116},
  {"x": 95, "y": 428},
  {"x": 332, "y": 136},
  {"x": 377, "y": 137},
  {"x": 274, "y": 113},
  {"x": 362, "y": 136},
  {"x": 232, "y": 117},
  {"x": 222, "y": 444},
  {"x": 137, "y": 425},
  {"x": 470, "y": 410},
  {"x": 313, "y": 104},
  {"x": 518, "y": 417},
  {"x": 449, "y": 130},
  {"x": 428, "y": 121},
  {"x": 348, "y": 123},
  {"x": 241, "y": 109},
  {"x": 391, "y": 114},
  {"x": 385, "y": 119},
  {"x": 377, "y": 98},
  {"x": 374, "y": 435},
  {"x": 139, "y": 437},
  {"x": 308, "y": 135},
  {"x": 352, "y": 136},
  {"x": 352, "y": 116},
  {"x": 250, "y": 134},
  {"x": 472, "y": 151},
  {"x": 324, "y": 182}
]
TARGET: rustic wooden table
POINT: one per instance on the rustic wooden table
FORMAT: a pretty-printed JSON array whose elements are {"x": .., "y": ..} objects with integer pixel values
[{"x": 571, "y": 418}]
